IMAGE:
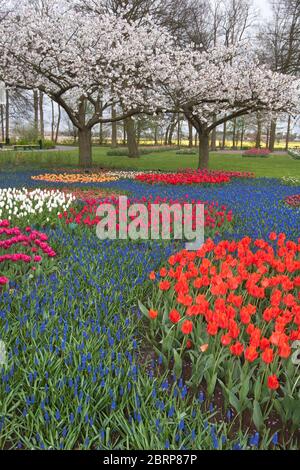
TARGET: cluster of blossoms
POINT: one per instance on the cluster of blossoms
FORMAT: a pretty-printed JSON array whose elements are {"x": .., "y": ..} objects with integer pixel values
[
  {"x": 293, "y": 201},
  {"x": 93, "y": 177},
  {"x": 88, "y": 194},
  {"x": 295, "y": 154},
  {"x": 22, "y": 203},
  {"x": 215, "y": 216},
  {"x": 102, "y": 177},
  {"x": 291, "y": 180},
  {"x": 240, "y": 295},
  {"x": 190, "y": 176},
  {"x": 257, "y": 152},
  {"x": 19, "y": 247}
]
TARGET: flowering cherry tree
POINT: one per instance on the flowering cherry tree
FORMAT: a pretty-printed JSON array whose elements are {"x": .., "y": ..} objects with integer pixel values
[
  {"x": 219, "y": 85},
  {"x": 86, "y": 61}
]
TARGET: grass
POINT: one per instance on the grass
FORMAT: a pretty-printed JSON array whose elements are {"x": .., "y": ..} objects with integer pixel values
[{"x": 275, "y": 166}]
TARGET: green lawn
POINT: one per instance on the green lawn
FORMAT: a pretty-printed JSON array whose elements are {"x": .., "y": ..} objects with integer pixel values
[{"x": 273, "y": 166}]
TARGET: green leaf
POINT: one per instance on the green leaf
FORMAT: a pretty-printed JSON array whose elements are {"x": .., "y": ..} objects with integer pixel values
[
  {"x": 234, "y": 401},
  {"x": 177, "y": 364},
  {"x": 257, "y": 389},
  {"x": 143, "y": 309},
  {"x": 296, "y": 416},
  {"x": 212, "y": 384},
  {"x": 257, "y": 416}
]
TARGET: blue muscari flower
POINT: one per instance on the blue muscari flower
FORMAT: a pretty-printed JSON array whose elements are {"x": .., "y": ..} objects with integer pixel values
[
  {"x": 237, "y": 446},
  {"x": 201, "y": 397},
  {"x": 167, "y": 444},
  {"x": 184, "y": 392},
  {"x": 171, "y": 412},
  {"x": 1, "y": 423},
  {"x": 57, "y": 415},
  {"x": 181, "y": 425},
  {"x": 275, "y": 439},
  {"x": 254, "y": 440},
  {"x": 214, "y": 438}
]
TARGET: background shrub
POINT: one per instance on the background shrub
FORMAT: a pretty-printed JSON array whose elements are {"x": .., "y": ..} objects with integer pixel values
[{"x": 254, "y": 152}]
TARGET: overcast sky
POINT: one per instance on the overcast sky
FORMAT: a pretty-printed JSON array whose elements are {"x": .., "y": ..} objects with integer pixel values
[{"x": 263, "y": 6}]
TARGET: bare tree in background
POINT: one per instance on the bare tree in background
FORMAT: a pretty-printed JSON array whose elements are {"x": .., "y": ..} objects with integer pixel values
[{"x": 280, "y": 46}]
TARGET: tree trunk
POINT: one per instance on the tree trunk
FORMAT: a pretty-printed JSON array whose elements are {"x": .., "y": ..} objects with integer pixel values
[
  {"x": 155, "y": 134},
  {"x": 85, "y": 147},
  {"x": 171, "y": 132},
  {"x": 166, "y": 136},
  {"x": 100, "y": 133},
  {"x": 7, "y": 120},
  {"x": 178, "y": 131},
  {"x": 124, "y": 133},
  {"x": 101, "y": 123},
  {"x": 190, "y": 134},
  {"x": 213, "y": 142},
  {"x": 224, "y": 135},
  {"x": 41, "y": 106},
  {"x": 138, "y": 131},
  {"x": 36, "y": 113},
  {"x": 133, "y": 150},
  {"x": 196, "y": 139},
  {"x": 287, "y": 139},
  {"x": 58, "y": 124},
  {"x": 234, "y": 135},
  {"x": 2, "y": 123},
  {"x": 203, "y": 150},
  {"x": 52, "y": 120},
  {"x": 272, "y": 136},
  {"x": 258, "y": 133},
  {"x": 242, "y": 135},
  {"x": 114, "y": 142},
  {"x": 267, "y": 137}
]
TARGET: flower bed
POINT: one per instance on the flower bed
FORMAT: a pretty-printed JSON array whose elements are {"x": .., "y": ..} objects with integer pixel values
[
  {"x": 295, "y": 154},
  {"x": 79, "y": 372},
  {"x": 23, "y": 250},
  {"x": 215, "y": 217},
  {"x": 36, "y": 206},
  {"x": 254, "y": 152},
  {"x": 87, "y": 194},
  {"x": 291, "y": 180},
  {"x": 75, "y": 177},
  {"x": 89, "y": 177},
  {"x": 192, "y": 177},
  {"x": 293, "y": 201},
  {"x": 234, "y": 309}
]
